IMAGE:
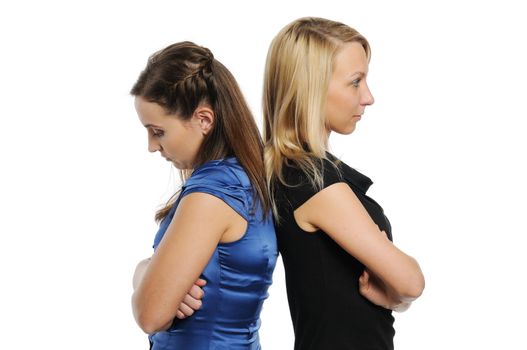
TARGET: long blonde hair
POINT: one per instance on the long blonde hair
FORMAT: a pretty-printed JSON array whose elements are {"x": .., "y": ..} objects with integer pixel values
[{"x": 297, "y": 74}]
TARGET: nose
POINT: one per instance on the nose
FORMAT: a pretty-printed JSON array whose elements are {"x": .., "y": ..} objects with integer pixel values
[
  {"x": 153, "y": 145},
  {"x": 366, "y": 97}
]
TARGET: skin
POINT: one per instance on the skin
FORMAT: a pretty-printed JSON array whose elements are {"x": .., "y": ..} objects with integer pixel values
[
  {"x": 177, "y": 140},
  {"x": 191, "y": 302},
  {"x": 348, "y": 93},
  {"x": 167, "y": 285},
  {"x": 392, "y": 279}
]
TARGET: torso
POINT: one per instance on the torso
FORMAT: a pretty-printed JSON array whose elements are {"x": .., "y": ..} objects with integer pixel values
[
  {"x": 326, "y": 307},
  {"x": 238, "y": 274}
]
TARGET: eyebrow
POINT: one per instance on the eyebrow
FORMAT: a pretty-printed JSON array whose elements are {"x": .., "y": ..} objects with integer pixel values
[
  {"x": 152, "y": 126},
  {"x": 361, "y": 74}
]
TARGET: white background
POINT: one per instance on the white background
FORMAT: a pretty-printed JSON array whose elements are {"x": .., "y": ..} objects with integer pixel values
[{"x": 444, "y": 143}]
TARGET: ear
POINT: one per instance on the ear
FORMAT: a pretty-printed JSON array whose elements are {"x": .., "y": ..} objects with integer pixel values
[{"x": 204, "y": 116}]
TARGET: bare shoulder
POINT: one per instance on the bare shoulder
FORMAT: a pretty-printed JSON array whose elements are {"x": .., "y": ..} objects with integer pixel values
[
  {"x": 208, "y": 212},
  {"x": 326, "y": 205},
  {"x": 211, "y": 216}
]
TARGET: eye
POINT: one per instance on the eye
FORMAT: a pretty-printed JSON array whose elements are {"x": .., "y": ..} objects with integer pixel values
[
  {"x": 157, "y": 132},
  {"x": 356, "y": 82}
]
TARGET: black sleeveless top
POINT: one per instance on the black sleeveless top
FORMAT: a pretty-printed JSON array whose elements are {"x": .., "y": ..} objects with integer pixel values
[{"x": 327, "y": 310}]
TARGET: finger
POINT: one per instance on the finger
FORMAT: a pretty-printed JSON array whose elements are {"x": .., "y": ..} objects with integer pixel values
[
  {"x": 200, "y": 282},
  {"x": 361, "y": 279},
  {"x": 180, "y": 315},
  {"x": 364, "y": 290},
  {"x": 196, "y": 292},
  {"x": 364, "y": 284},
  {"x": 189, "y": 301},
  {"x": 364, "y": 278},
  {"x": 186, "y": 309}
]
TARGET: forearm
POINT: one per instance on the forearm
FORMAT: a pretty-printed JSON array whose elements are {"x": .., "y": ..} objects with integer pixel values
[
  {"x": 151, "y": 312},
  {"x": 399, "y": 272},
  {"x": 191, "y": 302},
  {"x": 379, "y": 293}
]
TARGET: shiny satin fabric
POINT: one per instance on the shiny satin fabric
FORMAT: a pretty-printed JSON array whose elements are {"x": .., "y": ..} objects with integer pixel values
[{"x": 238, "y": 273}]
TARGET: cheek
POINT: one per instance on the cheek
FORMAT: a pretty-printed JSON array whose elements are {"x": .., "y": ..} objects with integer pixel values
[
  {"x": 350, "y": 102},
  {"x": 333, "y": 107},
  {"x": 341, "y": 102},
  {"x": 338, "y": 107},
  {"x": 183, "y": 145},
  {"x": 170, "y": 145}
]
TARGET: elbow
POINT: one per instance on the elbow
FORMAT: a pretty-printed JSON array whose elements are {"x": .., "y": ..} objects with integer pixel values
[
  {"x": 414, "y": 284},
  {"x": 150, "y": 325},
  {"x": 412, "y": 289},
  {"x": 147, "y": 320},
  {"x": 413, "y": 292}
]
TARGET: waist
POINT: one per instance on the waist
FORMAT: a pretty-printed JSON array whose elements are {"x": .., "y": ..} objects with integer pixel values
[
  {"x": 202, "y": 323},
  {"x": 206, "y": 335}
]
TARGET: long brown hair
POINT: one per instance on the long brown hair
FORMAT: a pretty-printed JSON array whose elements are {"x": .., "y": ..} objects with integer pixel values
[
  {"x": 184, "y": 75},
  {"x": 297, "y": 74}
]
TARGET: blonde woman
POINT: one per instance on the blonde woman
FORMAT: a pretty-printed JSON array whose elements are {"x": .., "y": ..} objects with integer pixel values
[
  {"x": 218, "y": 229},
  {"x": 344, "y": 276}
]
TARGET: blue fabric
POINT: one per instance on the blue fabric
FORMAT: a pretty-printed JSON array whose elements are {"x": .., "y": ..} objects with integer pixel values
[{"x": 238, "y": 273}]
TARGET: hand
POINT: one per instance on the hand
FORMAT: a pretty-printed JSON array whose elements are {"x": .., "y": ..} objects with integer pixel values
[
  {"x": 192, "y": 301},
  {"x": 373, "y": 289}
]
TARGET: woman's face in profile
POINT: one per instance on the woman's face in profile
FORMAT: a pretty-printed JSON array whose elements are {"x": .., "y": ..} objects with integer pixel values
[
  {"x": 177, "y": 140},
  {"x": 348, "y": 92}
]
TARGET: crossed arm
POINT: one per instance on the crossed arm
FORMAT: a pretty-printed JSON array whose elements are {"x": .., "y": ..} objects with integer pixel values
[
  {"x": 191, "y": 302},
  {"x": 353, "y": 229},
  {"x": 171, "y": 276},
  {"x": 392, "y": 279}
]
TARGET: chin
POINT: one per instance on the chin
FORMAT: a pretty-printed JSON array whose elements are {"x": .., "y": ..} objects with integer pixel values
[{"x": 347, "y": 131}]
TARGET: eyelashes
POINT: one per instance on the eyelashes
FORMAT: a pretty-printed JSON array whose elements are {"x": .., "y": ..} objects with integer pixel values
[
  {"x": 356, "y": 82},
  {"x": 158, "y": 133}
]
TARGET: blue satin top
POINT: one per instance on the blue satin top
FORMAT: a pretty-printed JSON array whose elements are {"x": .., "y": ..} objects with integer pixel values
[{"x": 238, "y": 273}]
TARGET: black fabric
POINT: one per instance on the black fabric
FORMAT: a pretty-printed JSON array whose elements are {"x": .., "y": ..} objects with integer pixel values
[{"x": 326, "y": 307}]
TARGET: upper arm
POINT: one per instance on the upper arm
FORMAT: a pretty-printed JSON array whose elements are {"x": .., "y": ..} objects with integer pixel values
[
  {"x": 337, "y": 211},
  {"x": 198, "y": 225}
]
